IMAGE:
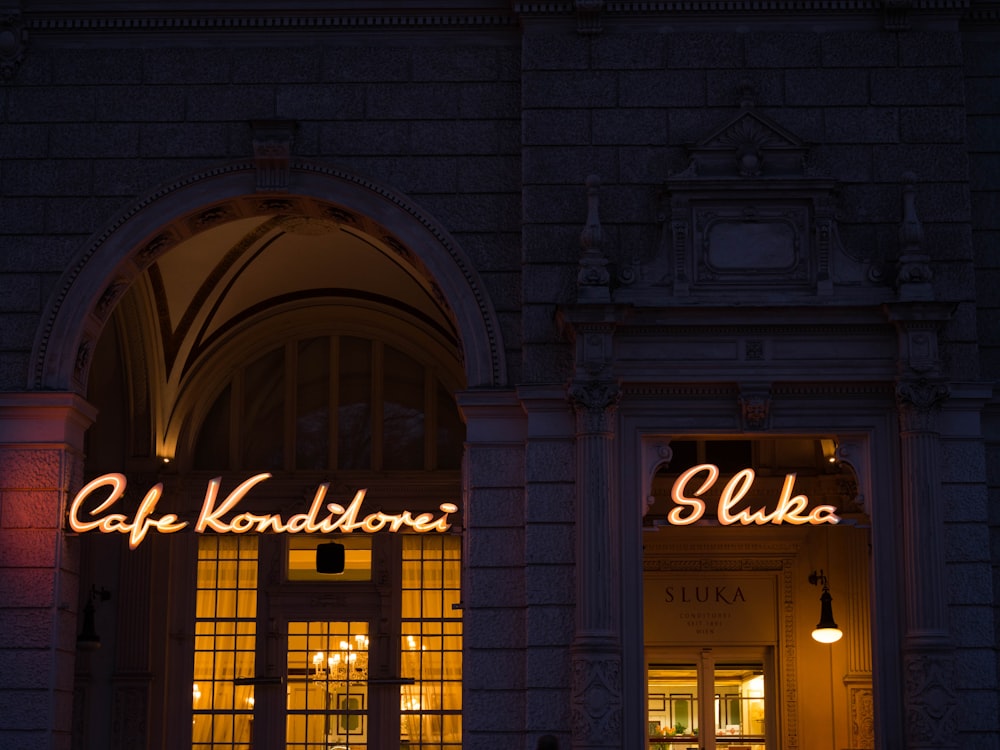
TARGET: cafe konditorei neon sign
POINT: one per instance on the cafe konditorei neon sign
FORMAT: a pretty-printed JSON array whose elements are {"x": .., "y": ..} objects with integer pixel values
[
  {"x": 327, "y": 518},
  {"x": 321, "y": 518}
]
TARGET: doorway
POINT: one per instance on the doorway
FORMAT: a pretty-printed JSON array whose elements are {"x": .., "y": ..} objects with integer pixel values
[
  {"x": 710, "y": 699},
  {"x": 328, "y": 697}
]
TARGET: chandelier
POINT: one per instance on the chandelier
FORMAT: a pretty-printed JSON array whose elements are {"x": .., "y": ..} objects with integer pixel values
[{"x": 347, "y": 664}]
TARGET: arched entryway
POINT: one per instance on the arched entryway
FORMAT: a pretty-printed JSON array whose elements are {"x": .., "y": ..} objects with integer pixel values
[{"x": 318, "y": 335}]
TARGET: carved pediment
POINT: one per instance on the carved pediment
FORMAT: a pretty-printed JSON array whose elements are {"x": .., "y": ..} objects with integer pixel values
[
  {"x": 745, "y": 221},
  {"x": 749, "y": 145}
]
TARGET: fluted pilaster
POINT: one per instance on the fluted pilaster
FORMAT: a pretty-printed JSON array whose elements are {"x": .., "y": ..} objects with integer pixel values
[
  {"x": 928, "y": 658},
  {"x": 596, "y": 700}
]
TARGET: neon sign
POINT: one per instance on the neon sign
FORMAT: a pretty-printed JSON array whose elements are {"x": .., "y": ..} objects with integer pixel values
[
  {"x": 322, "y": 518},
  {"x": 793, "y": 509}
]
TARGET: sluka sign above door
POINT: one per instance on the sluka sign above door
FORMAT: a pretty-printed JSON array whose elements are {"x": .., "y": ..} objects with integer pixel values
[
  {"x": 792, "y": 509},
  {"x": 321, "y": 518}
]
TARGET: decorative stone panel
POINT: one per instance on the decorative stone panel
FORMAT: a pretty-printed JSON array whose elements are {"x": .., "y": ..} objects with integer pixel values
[{"x": 746, "y": 219}]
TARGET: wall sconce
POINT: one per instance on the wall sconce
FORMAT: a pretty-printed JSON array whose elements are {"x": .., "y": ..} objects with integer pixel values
[
  {"x": 829, "y": 448},
  {"x": 826, "y": 629},
  {"x": 89, "y": 640}
]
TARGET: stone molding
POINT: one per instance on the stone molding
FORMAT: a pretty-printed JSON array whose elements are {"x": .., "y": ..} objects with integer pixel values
[
  {"x": 250, "y": 19},
  {"x": 48, "y": 417},
  {"x": 110, "y": 18}
]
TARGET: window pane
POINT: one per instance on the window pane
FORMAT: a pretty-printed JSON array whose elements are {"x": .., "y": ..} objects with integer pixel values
[
  {"x": 403, "y": 412},
  {"x": 355, "y": 404},
  {"x": 430, "y": 707},
  {"x": 312, "y": 420},
  {"x": 357, "y": 558},
  {"x": 225, "y": 640},
  {"x": 450, "y": 431},
  {"x": 264, "y": 413},
  {"x": 672, "y": 695},
  {"x": 212, "y": 448}
]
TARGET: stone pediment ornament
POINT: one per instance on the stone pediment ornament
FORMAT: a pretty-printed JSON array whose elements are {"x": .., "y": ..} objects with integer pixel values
[
  {"x": 749, "y": 145},
  {"x": 746, "y": 219},
  {"x": 753, "y": 147}
]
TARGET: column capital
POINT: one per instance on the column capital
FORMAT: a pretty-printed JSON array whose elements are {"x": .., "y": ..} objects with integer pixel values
[
  {"x": 919, "y": 402},
  {"x": 595, "y": 402}
]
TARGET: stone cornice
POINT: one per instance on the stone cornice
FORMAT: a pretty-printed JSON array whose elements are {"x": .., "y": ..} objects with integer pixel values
[
  {"x": 119, "y": 17},
  {"x": 116, "y": 16},
  {"x": 984, "y": 11},
  {"x": 649, "y": 7}
]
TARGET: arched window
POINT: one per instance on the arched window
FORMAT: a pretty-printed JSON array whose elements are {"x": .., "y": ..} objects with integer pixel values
[{"x": 332, "y": 403}]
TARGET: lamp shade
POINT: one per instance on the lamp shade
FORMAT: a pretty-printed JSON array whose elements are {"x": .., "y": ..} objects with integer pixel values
[{"x": 826, "y": 629}]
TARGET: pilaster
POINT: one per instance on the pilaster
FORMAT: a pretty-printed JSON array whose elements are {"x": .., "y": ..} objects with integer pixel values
[
  {"x": 41, "y": 460},
  {"x": 596, "y": 703},
  {"x": 930, "y": 701},
  {"x": 493, "y": 616}
]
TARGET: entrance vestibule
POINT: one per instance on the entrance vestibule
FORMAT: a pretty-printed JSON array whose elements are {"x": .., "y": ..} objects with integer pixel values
[
  {"x": 710, "y": 698},
  {"x": 728, "y": 605}
]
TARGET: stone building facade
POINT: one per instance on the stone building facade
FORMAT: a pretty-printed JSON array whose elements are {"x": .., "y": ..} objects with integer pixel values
[{"x": 529, "y": 272}]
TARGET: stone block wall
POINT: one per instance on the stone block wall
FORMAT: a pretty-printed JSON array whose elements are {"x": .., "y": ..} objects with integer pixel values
[
  {"x": 88, "y": 131},
  {"x": 982, "y": 96},
  {"x": 494, "y": 134}
]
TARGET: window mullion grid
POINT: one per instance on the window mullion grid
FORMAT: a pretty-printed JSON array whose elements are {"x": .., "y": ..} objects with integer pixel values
[
  {"x": 430, "y": 419},
  {"x": 291, "y": 403},
  {"x": 378, "y": 410},
  {"x": 334, "y": 422},
  {"x": 236, "y": 402}
]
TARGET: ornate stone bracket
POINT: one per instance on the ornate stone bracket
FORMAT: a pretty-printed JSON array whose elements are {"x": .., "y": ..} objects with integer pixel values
[
  {"x": 13, "y": 43},
  {"x": 896, "y": 15},
  {"x": 588, "y": 16},
  {"x": 272, "y": 153},
  {"x": 755, "y": 407}
]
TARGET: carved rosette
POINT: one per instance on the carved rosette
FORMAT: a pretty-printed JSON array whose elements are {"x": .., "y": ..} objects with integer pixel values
[
  {"x": 918, "y": 403},
  {"x": 595, "y": 402},
  {"x": 931, "y": 702},
  {"x": 596, "y": 702}
]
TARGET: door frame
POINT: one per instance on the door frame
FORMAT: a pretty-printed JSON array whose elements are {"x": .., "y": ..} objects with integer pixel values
[{"x": 705, "y": 659}]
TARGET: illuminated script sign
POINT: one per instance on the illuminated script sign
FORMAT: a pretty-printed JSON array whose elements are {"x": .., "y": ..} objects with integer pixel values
[
  {"x": 792, "y": 509},
  {"x": 321, "y": 518}
]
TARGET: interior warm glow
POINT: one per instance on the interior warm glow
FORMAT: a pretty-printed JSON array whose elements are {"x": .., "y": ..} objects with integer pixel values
[{"x": 827, "y": 635}]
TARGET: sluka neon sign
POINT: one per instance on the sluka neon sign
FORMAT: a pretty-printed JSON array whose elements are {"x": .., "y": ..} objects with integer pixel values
[
  {"x": 791, "y": 509},
  {"x": 335, "y": 517}
]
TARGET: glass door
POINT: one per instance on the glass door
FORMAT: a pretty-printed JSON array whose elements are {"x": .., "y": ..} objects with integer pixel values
[
  {"x": 327, "y": 686},
  {"x": 712, "y": 700}
]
